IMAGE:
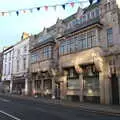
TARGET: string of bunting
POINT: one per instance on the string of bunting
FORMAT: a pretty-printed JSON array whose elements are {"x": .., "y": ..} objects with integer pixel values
[{"x": 30, "y": 10}]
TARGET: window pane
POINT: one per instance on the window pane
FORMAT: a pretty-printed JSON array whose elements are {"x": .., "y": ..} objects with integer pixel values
[
  {"x": 110, "y": 36},
  {"x": 83, "y": 39}
]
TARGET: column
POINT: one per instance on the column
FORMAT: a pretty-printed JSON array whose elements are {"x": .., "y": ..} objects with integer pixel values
[
  {"x": 42, "y": 87},
  {"x": 26, "y": 86},
  {"x": 81, "y": 87},
  {"x": 53, "y": 88},
  {"x": 107, "y": 89},
  {"x": 97, "y": 38},
  {"x": 119, "y": 86},
  {"x": 33, "y": 87},
  {"x": 11, "y": 86},
  {"x": 106, "y": 82},
  {"x": 63, "y": 88},
  {"x": 102, "y": 88}
]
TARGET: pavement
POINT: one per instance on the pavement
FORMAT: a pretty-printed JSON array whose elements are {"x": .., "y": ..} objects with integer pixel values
[
  {"x": 88, "y": 107},
  {"x": 27, "y": 108}
]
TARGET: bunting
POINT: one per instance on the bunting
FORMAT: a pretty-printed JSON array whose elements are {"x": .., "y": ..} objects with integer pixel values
[
  {"x": 63, "y": 6},
  {"x": 72, "y": 4},
  {"x": 38, "y": 8},
  {"x": 30, "y": 10}
]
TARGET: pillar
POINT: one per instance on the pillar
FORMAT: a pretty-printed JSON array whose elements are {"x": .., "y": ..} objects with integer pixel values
[
  {"x": 63, "y": 88},
  {"x": 81, "y": 87},
  {"x": 53, "y": 88},
  {"x": 107, "y": 90},
  {"x": 26, "y": 86},
  {"x": 102, "y": 88},
  {"x": 106, "y": 83},
  {"x": 119, "y": 87},
  {"x": 42, "y": 87},
  {"x": 11, "y": 86},
  {"x": 33, "y": 87}
]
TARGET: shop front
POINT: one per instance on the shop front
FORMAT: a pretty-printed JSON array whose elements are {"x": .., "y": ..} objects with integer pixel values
[
  {"x": 18, "y": 85},
  {"x": 85, "y": 78},
  {"x": 91, "y": 85},
  {"x": 73, "y": 84},
  {"x": 42, "y": 84},
  {"x": 85, "y": 84}
]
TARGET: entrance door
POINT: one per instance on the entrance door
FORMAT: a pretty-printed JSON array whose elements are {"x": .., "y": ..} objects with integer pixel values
[{"x": 115, "y": 89}]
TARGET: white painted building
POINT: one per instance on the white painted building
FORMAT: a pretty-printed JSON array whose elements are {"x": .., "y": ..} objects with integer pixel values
[
  {"x": 20, "y": 66},
  {"x": 7, "y": 67}
]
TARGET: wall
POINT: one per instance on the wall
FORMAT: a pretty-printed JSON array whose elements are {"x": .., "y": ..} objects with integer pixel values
[{"x": 20, "y": 46}]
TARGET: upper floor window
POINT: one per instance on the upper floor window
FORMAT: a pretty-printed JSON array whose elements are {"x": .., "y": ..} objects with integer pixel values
[
  {"x": 5, "y": 69},
  {"x": 83, "y": 40},
  {"x": 91, "y": 38},
  {"x": 97, "y": 12},
  {"x": 109, "y": 36},
  {"x": 5, "y": 57},
  {"x": 25, "y": 49},
  {"x": 35, "y": 57},
  {"x": 17, "y": 65},
  {"x": 24, "y": 63},
  {"x": 10, "y": 56},
  {"x": 18, "y": 53},
  {"x": 78, "y": 42},
  {"x": 92, "y": 14},
  {"x": 9, "y": 68},
  {"x": 47, "y": 52}
]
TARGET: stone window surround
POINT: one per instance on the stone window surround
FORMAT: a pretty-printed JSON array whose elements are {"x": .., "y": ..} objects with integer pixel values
[
  {"x": 64, "y": 46},
  {"x": 42, "y": 54}
]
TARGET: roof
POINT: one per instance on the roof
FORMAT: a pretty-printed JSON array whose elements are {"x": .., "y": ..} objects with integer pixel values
[
  {"x": 8, "y": 48},
  {"x": 39, "y": 44}
]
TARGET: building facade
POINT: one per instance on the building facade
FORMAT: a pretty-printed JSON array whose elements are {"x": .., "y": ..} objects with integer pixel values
[
  {"x": 7, "y": 68},
  {"x": 80, "y": 56},
  {"x": 1, "y": 65},
  {"x": 42, "y": 63},
  {"x": 20, "y": 82},
  {"x": 88, "y": 54}
]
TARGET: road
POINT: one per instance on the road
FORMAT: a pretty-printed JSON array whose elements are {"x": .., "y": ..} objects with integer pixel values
[{"x": 12, "y": 108}]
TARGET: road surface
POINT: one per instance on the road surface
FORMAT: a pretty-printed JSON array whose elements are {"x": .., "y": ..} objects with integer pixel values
[{"x": 12, "y": 108}]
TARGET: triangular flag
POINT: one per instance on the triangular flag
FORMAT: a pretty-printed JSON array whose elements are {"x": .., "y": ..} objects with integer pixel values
[
  {"x": 31, "y": 10},
  {"x": 46, "y": 8},
  {"x": 90, "y": 1},
  {"x": 24, "y": 11},
  {"x": 98, "y": 1},
  {"x": 17, "y": 12},
  {"x": 38, "y": 8},
  {"x": 54, "y": 8},
  {"x": 63, "y": 6},
  {"x": 72, "y": 4},
  {"x": 9, "y": 13},
  {"x": 3, "y": 13}
]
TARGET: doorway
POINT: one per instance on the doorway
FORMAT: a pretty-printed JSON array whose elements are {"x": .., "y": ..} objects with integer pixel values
[{"x": 115, "y": 89}]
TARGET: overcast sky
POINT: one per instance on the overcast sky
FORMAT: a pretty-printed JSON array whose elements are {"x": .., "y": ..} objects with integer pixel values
[{"x": 12, "y": 26}]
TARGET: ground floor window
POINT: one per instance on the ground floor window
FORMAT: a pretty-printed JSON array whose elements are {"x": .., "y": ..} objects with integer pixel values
[
  {"x": 48, "y": 84},
  {"x": 91, "y": 86},
  {"x": 38, "y": 84}
]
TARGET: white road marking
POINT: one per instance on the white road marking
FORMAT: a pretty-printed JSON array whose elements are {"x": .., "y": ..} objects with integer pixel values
[
  {"x": 9, "y": 115},
  {"x": 4, "y": 100}
]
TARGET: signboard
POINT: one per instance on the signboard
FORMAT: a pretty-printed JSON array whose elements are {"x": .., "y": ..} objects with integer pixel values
[{"x": 73, "y": 84}]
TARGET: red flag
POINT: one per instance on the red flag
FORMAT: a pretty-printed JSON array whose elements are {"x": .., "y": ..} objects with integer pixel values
[
  {"x": 46, "y": 8},
  {"x": 24, "y": 11},
  {"x": 72, "y": 4}
]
